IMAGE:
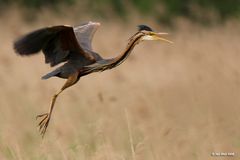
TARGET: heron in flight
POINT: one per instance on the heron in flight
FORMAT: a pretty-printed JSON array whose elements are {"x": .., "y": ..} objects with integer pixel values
[{"x": 72, "y": 45}]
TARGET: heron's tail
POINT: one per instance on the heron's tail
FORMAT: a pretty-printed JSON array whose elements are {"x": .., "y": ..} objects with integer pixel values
[{"x": 51, "y": 74}]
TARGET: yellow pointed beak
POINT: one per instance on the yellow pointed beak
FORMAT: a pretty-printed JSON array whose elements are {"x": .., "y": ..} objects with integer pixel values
[{"x": 158, "y": 36}]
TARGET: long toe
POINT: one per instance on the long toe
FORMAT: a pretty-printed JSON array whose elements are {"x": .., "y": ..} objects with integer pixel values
[
  {"x": 41, "y": 115},
  {"x": 44, "y": 128},
  {"x": 43, "y": 124}
]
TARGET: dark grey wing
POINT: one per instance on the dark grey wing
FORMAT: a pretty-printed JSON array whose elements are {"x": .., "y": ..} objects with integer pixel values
[
  {"x": 58, "y": 43},
  {"x": 84, "y": 34}
]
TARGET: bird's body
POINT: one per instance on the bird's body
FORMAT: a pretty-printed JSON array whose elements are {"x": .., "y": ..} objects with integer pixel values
[{"x": 72, "y": 46}]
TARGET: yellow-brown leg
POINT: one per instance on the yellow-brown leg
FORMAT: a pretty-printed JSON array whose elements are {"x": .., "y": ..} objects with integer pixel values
[{"x": 45, "y": 118}]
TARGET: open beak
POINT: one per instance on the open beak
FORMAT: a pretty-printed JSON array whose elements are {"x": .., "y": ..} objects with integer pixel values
[{"x": 158, "y": 36}]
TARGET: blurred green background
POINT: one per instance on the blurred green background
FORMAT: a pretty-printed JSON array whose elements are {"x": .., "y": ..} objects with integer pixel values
[{"x": 163, "y": 11}]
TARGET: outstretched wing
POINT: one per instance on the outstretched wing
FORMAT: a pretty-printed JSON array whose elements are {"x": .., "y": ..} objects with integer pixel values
[
  {"x": 58, "y": 43},
  {"x": 84, "y": 34}
]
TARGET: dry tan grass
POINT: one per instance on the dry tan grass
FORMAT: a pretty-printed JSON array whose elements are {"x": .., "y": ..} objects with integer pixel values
[{"x": 182, "y": 100}]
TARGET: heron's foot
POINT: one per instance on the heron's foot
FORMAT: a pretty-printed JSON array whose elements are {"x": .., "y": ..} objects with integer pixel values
[{"x": 43, "y": 124}]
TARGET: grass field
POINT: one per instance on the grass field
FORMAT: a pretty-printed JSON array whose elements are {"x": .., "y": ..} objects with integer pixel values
[{"x": 166, "y": 102}]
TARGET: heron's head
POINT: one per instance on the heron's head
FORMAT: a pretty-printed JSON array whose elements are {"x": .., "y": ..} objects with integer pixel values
[{"x": 149, "y": 34}]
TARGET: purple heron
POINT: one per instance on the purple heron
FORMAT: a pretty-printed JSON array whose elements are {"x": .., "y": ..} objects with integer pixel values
[{"x": 72, "y": 45}]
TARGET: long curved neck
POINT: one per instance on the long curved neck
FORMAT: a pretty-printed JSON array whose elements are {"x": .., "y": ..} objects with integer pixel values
[
  {"x": 113, "y": 62},
  {"x": 124, "y": 55}
]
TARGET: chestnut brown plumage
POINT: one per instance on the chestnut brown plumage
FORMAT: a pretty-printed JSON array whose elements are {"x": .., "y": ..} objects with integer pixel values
[{"x": 72, "y": 45}]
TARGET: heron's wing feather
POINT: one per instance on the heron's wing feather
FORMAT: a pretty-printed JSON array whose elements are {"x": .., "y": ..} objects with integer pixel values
[
  {"x": 58, "y": 43},
  {"x": 84, "y": 34},
  {"x": 65, "y": 47}
]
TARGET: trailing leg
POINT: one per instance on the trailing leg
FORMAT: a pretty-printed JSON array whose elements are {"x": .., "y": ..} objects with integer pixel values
[{"x": 45, "y": 118}]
